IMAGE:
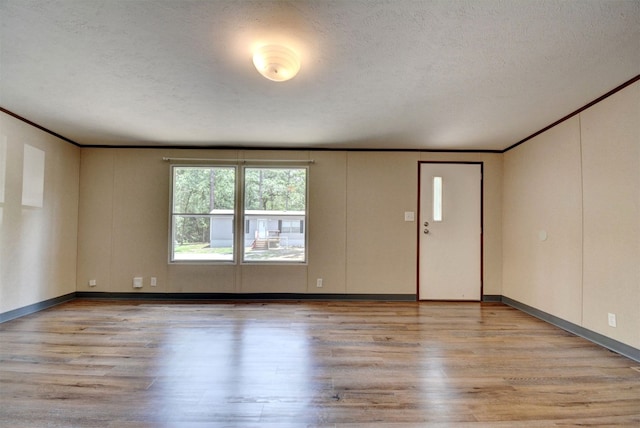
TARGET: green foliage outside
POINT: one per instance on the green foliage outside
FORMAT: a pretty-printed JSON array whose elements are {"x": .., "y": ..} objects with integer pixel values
[
  {"x": 275, "y": 189},
  {"x": 199, "y": 190},
  {"x": 192, "y": 189}
]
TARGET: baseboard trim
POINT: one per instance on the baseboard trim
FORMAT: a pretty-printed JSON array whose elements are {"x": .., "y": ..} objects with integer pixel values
[
  {"x": 36, "y": 307},
  {"x": 247, "y": 296},
  {"x": 597, "y": 338}
]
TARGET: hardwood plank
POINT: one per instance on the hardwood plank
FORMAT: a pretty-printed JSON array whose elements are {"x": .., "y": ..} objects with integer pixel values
[{"x": 96, "y": 363}]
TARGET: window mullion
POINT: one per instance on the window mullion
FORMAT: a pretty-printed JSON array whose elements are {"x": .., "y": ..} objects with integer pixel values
[{"x": 239, "y": 217}]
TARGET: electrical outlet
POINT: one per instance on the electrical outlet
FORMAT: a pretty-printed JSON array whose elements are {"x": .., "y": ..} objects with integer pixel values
[
  {"x": 154, "y": 281},
  {"x": 93, "y": 283},
  {"x": 137, "y": 282},
  {"x": 612, "y": 320},
  {"x": 319, "y": 282}
]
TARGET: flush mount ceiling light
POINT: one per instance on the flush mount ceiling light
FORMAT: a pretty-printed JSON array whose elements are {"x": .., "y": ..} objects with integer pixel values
[{"x": 277, "y": 63}]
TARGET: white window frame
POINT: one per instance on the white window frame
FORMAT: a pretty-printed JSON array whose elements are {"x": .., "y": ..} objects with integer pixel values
[
  {"x": 274, "y": 165},
  {"x": 239, "y": 220},
  {"x": 172, "y": 215}
]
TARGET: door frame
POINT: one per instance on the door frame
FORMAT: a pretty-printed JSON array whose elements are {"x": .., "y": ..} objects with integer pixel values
[{"x": 419, "y": 224}]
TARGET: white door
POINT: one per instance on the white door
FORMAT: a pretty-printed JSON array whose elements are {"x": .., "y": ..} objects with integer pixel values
[
  {"x": 450, "y": 242},
  {"x": 261, "y": 229}
]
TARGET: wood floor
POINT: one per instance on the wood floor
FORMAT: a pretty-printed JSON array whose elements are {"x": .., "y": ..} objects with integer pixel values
[{"x": 329, "y": 364}]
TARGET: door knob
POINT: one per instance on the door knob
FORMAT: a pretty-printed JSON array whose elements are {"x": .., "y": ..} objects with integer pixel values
[
  {"x": 426, "y": 223},
  {"x": 426, "y": 231}
]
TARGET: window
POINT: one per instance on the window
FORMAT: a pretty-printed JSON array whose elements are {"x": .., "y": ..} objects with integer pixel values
[
  {"x": 209, "y": 224},
  {"x": 274, "y": 200},
  {"x": 203, "y": 213},
  {"x": 289, "y": 226},
  {"x": 437, "y": 198}
]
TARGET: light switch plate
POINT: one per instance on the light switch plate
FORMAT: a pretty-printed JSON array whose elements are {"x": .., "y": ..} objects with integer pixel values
[{"x": 409, "y": 216}]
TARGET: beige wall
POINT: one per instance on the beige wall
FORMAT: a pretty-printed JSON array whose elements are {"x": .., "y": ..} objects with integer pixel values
[
  {"x": 381, "y": 246},
  {"x": 611, "y": 179},
  {"x": 358, "y": 240},
  {"x": 579, "y": 184},
  {"x": 37, "y": 244},
  {"x": 542, "y": 194}
]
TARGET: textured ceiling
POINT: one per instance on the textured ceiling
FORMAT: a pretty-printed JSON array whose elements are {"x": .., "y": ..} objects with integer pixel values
[{"x": 465, "y": 74}]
